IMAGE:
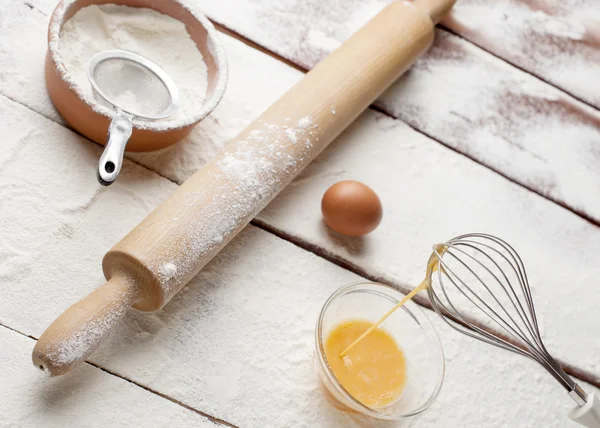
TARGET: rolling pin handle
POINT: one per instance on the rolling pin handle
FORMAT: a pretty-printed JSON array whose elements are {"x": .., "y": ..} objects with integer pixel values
[
  {"x": 214, "y": 201},
  {"x": 80, "y": 330}
]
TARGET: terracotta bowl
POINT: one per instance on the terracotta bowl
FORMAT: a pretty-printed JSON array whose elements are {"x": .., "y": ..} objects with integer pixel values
[{"x": 93, "y": 124}]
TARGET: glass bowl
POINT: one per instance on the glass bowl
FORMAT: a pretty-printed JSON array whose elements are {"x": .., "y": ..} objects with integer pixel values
[{"x": 411, "y": 329}]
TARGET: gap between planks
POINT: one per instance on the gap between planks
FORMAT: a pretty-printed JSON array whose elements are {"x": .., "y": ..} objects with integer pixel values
[
  {"x": 214, "y": 419},
  {"x": 572, "y": 370},
  {"x": 515, "y": 65},
  {"x": 232, "y": 33},
  {"x": 81, "y": 135},
  {"x": 321, "y": 252}
]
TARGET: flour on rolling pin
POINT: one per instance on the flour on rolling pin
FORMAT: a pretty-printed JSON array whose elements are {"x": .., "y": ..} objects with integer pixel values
[
  {"x": 114, "y": 298},
  {"x": 254, "y": 169},
  {"x": 74, "y": 348},
  {"x": 153, "y": 35}
]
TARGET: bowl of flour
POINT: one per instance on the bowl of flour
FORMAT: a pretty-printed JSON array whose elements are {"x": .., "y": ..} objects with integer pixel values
[{"x": 174, "y": 35}]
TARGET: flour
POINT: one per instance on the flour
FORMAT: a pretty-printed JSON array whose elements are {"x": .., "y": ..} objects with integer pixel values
[
  {"x": 89, "y": 398},
  {"x": 77, "y": 346},
  {"x": 320, "y": 40},
  {"x": 83, "y": 339},
  {"x": 291, "y": 134},
  {"x": 553, "y": 40},
  {"x": 506, "y": 119},
  {"x": 146, "y": 32},
  {"x": 167, "y": 271},
  {"x": 259, "y": 279},
  {"x": 255, "y": 168},
  {"x": 128, "y": 101},
  {"x": 305, "y": 122}
]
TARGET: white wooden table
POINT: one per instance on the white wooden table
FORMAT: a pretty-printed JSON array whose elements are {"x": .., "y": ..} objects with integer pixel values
[{"x": 497, "y": 129}]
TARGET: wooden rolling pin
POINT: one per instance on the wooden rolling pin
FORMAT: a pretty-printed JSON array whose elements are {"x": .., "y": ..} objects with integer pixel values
[{"x": 157, "y": 258}]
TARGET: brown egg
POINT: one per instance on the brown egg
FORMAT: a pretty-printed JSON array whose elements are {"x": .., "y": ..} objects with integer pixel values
[{"x": 351, "y": 208}]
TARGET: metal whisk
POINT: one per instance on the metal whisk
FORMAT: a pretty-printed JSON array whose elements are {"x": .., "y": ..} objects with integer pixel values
[{"x": 482, "y": 274}]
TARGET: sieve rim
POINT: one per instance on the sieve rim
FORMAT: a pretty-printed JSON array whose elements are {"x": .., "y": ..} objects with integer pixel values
[{"x": 153, "y": 67}]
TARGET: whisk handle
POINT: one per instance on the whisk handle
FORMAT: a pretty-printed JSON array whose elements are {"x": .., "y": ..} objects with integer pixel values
[{"x": 587, "y": 415}]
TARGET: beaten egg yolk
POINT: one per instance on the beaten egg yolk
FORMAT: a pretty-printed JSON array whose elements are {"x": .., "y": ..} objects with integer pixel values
[{"x": 374, "y": 371}]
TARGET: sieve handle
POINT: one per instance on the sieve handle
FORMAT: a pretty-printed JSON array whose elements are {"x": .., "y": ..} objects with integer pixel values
[{"x": 111, "y": 160}]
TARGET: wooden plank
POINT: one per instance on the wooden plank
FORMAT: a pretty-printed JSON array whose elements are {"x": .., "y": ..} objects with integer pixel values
[
  {"x": 56, "y": 224},
  {"x": 430, "y": 194},
  {"x": 419, "y": 169},
  {"x": 87, "y": 398},
  {"x": 24, "y": 26},
  {"x": 255, "y": 82},
  {"x": 460, "y": 95},
  {"x": 415, "y": 178},
  {"x": 510, "y": 121},
  {"x": 49, "y": 188},
  {"x": 238, "y": 342},
  {"x": 505, "y": 119},
  {"x": 557, "y": 41}
]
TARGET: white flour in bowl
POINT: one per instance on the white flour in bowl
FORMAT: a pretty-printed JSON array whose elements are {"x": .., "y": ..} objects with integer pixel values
[{"x": 146, "y": 32}]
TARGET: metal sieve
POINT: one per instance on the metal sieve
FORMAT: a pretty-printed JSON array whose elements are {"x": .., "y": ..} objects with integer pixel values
[{"x": 134, "y": 88}]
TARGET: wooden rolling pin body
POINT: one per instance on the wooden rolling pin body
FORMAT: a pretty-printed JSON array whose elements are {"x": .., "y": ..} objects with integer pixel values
[{"x": 156, "y": 259}]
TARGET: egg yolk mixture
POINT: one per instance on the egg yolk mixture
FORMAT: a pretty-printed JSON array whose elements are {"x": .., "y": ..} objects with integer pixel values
[{"x": 374, "y": 371}]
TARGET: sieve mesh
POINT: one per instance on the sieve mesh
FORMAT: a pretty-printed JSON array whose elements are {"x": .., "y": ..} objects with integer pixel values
[{"x": 131, "y": 87}]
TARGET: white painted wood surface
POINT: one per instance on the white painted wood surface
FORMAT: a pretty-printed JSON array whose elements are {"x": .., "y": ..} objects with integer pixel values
[
  {"x": 403, "y": 166},
  {"x": 557, "y": 40},
  {"x": 506, "y": 210},
  {"x": 182, "y": 351},
  {"x": 87, "y": 398},
  {"x": 23, "y": 45},
  {"x": 431, "y": 194},
  {"x": 460, "y": 95},
  {"x": 238, "y": 342}
]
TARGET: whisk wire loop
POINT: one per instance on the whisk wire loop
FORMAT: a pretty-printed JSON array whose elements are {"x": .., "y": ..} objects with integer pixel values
[
  {"x": 487, "y": 275},
  {"x": 518, "y": 268},
  {"x": 506, "y": 287}
]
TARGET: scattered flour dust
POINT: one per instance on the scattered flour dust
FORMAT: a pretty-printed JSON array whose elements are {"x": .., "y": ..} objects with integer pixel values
[
  {"x": 146, "y": 32},
  {"x": 554, "y": 40},
  {"x": 305, "y": 122},
  {"x": 291, "y": 135},
  {"x": 322, "y": 41},
  {"x": 257, "y": 168},
  {"x": 128, "y": 100},
  {"x": 167, "y": 271}
]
